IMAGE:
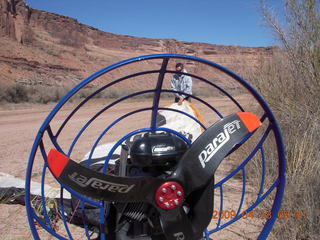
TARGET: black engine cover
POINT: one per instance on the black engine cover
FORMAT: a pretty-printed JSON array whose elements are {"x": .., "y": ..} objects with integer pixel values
[{"x": 157, "y": 149}]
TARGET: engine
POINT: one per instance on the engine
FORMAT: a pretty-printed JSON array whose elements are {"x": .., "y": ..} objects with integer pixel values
[
  {"x": 153, "y": 154},
  {"x": 150, "y": 154}
]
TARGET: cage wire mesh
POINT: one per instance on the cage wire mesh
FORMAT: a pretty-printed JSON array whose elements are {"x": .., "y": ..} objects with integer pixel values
[{"x": 124, "y": 99}]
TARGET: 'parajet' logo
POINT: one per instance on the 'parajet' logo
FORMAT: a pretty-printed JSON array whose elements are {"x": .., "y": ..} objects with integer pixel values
[
  {"x": 218, "y": 142},
  {"x": 99, "y": 184}
]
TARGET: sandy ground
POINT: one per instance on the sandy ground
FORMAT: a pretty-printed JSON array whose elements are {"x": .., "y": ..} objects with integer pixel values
[{"x": 19, "y": 125}]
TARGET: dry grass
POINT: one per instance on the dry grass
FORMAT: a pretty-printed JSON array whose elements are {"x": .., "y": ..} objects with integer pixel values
[
  {"x": 20, "y": 93},
  {"x": 297, "y": 110},
  {"x": 290, "y": 82}
]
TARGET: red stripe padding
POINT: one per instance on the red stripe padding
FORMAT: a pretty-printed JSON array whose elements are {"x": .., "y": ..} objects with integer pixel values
[
  {"x": 251, "y": 121},
  {"x": 57, "y": 161}
]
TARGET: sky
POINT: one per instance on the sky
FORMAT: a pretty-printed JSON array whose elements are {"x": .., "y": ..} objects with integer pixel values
[{"x": 223, "y": 22}]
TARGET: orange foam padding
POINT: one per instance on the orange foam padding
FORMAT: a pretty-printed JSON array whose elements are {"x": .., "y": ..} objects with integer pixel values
[
  {"x": 251, "y": 121},
  {"x": 57, "y": 161}
]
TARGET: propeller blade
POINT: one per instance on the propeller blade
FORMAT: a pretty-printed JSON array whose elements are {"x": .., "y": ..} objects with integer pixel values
[
  {"x": 98, "y": 185},
  {"x": 198, "y": 165},
  {"x": 195, "y": 171}
]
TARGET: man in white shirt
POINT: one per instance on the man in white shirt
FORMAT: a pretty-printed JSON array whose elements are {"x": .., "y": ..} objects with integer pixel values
[{"x": 182, "y": 83}]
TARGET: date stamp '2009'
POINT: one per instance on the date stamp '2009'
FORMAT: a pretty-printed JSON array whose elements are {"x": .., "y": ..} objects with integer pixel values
[{"x": 262, "y": 214}]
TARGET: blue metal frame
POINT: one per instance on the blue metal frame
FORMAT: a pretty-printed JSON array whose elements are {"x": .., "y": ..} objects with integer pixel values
[{"x": 279, "y": 184}]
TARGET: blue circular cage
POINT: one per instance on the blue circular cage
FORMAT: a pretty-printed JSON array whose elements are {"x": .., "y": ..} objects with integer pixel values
[{"x": 227, "y": 85}]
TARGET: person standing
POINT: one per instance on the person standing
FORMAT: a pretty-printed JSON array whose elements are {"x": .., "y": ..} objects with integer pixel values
[{"x": 181, "y": 83}]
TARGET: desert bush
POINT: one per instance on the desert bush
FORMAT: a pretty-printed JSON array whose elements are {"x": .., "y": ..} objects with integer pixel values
[
  {"x": 2, "y": 93},
  {"x": 15, "y": 93},
  {"x": 290, "y": 82},
  {"x": 19, "y": 93}
]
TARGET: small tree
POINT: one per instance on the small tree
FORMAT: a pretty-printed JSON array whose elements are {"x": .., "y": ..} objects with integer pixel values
[{"x": 291, "y": 84}]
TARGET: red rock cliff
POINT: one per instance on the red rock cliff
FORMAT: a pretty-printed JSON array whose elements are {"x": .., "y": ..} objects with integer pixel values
[{"x": 39, "y": 46}]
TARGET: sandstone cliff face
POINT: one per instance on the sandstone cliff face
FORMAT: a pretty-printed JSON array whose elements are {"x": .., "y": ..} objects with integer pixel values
[{"x": 38, "y": 46}]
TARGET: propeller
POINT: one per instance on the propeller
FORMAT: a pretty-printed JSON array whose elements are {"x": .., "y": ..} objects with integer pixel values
[{"x": 194, "y": 175}]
